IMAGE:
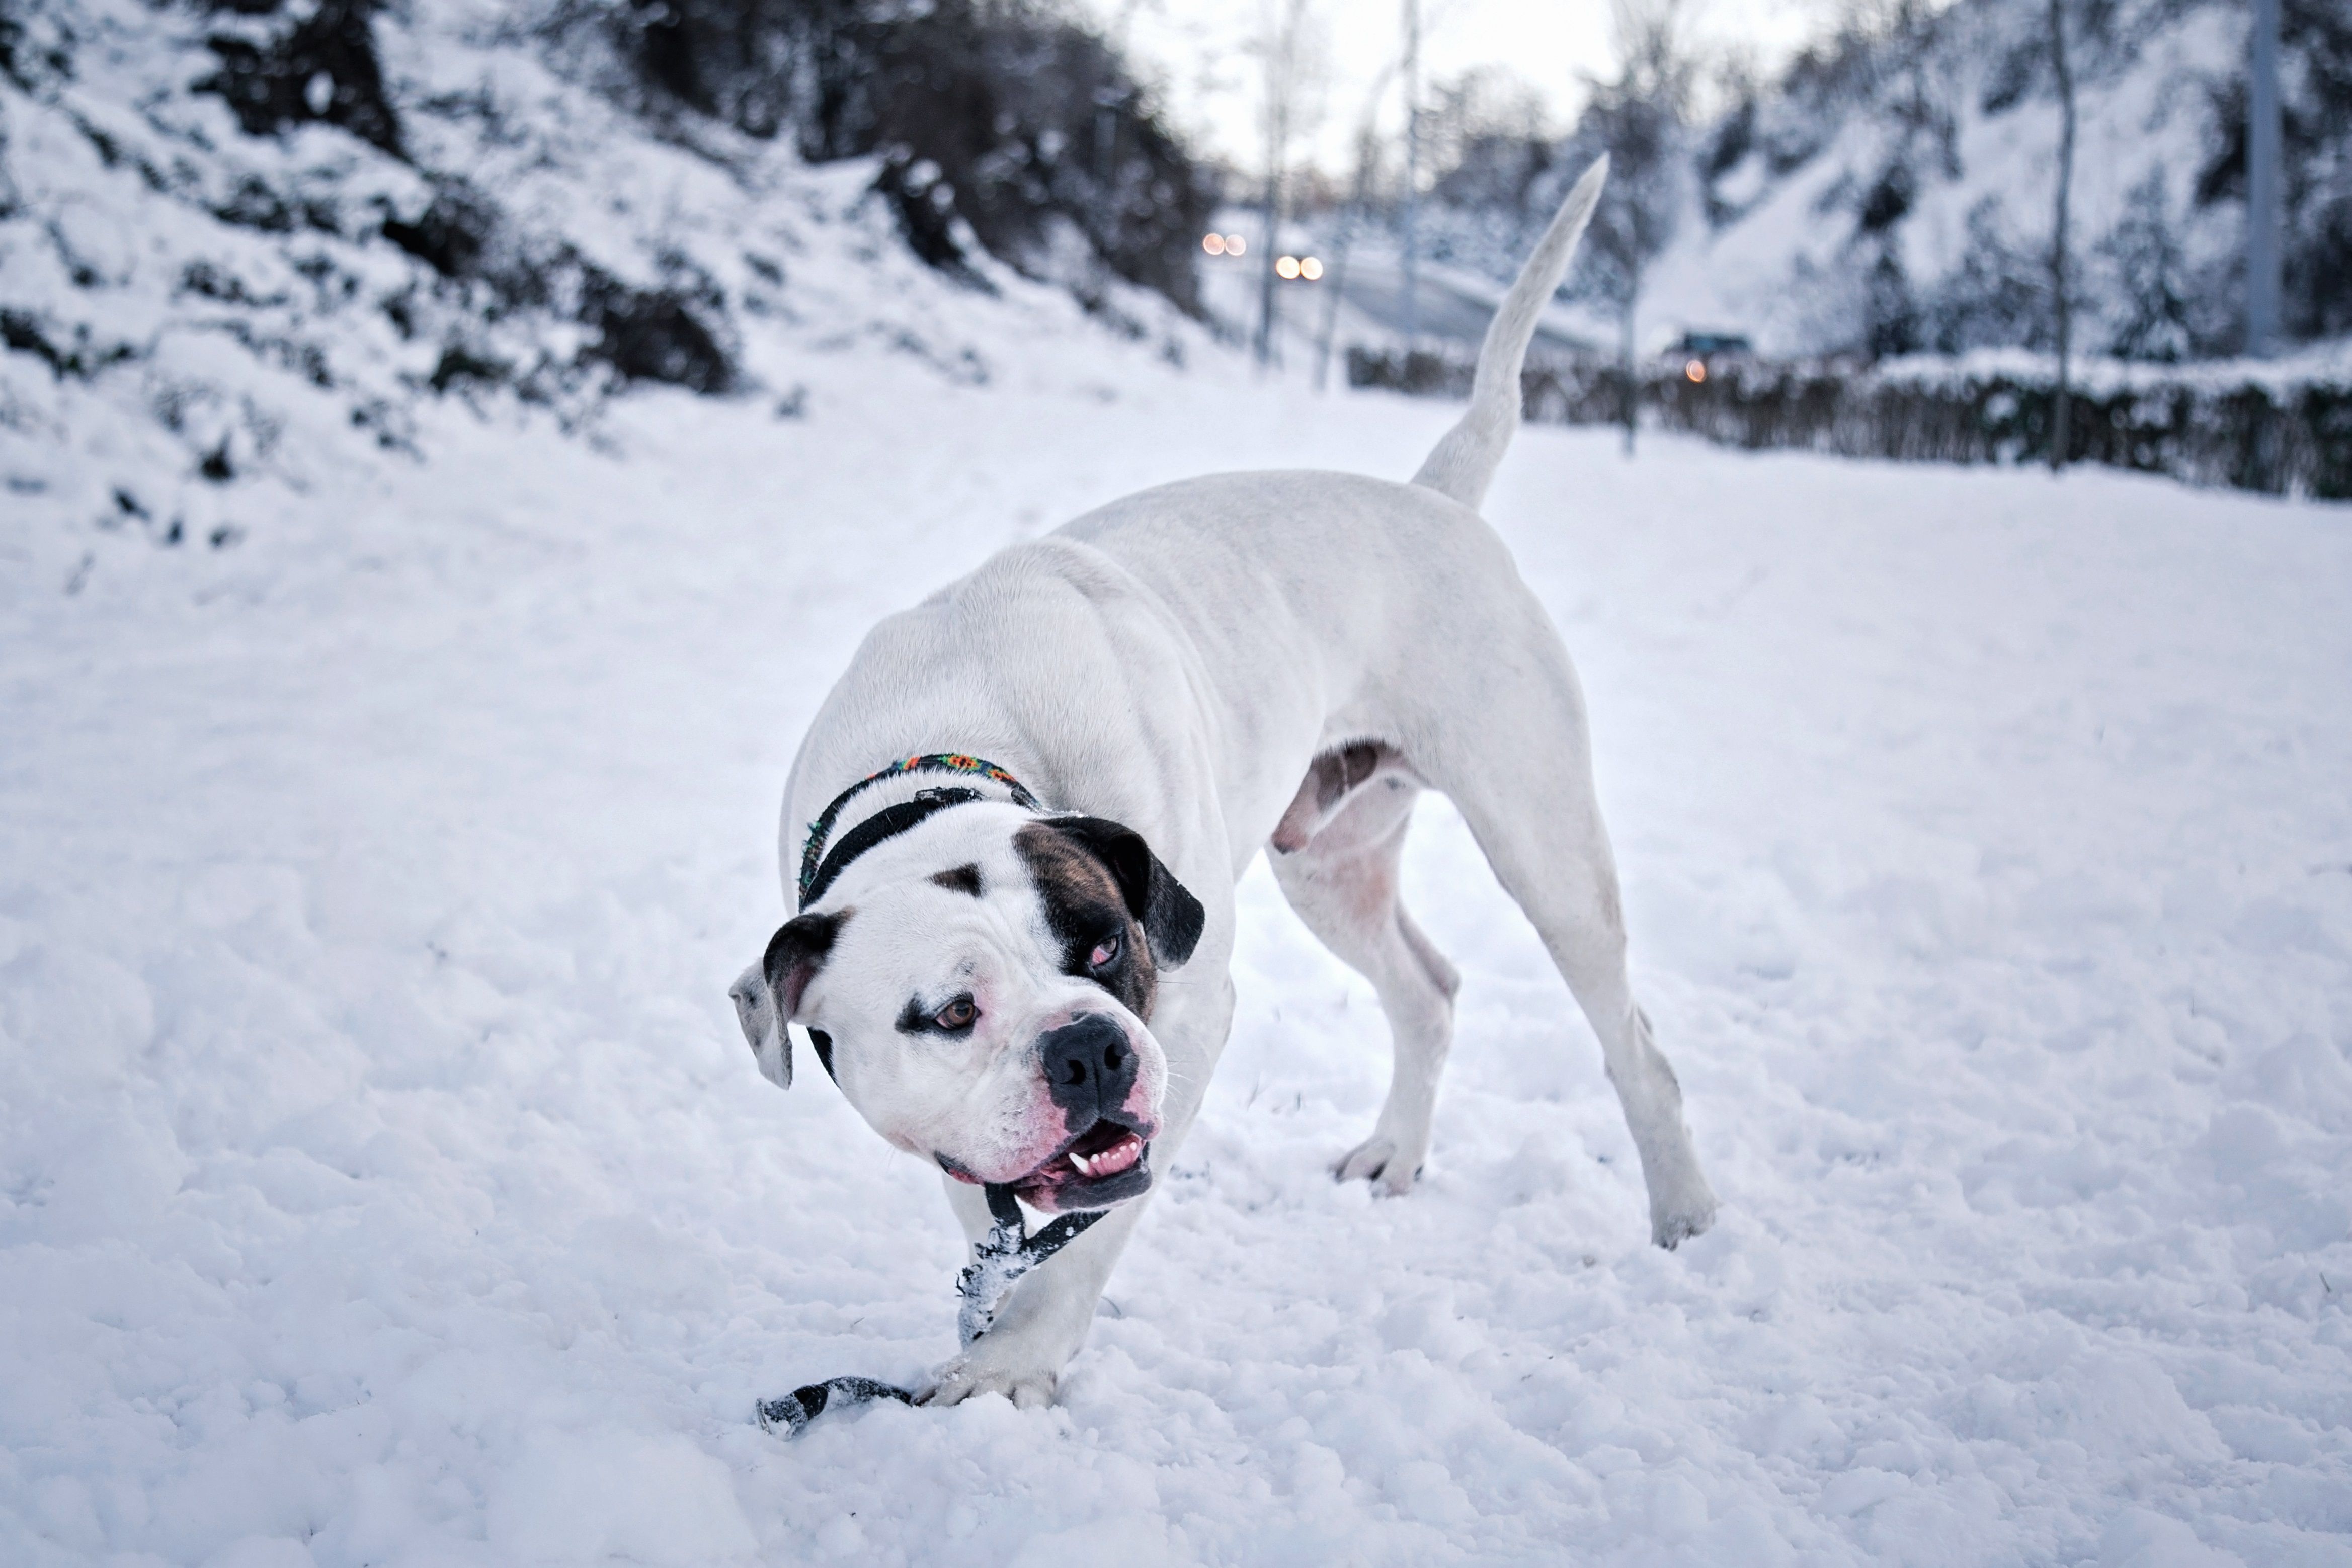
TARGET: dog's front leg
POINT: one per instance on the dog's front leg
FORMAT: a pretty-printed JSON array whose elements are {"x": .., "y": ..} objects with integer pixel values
[{"x": 1044, "y": 1318}]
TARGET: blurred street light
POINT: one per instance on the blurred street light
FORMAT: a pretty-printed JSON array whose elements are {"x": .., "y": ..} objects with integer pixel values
[
  {"x": 1287, "y": 269},
  {"x": 1309, "y": 268},
  {"x": 1236, "y": 246},
  {"x": 1696, "y": 370},
  {"x": 1213, "y": 244}
]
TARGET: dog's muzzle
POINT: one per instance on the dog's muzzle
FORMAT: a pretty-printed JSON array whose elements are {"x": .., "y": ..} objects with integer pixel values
[{"x": 1090, "y": 1068}]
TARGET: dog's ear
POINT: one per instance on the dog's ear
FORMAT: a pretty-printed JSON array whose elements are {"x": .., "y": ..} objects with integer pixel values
[
  {"x": 1170, "y": 916},
  {"x": 755, "y": 1009},
  {"x": 769, "y": 993}
]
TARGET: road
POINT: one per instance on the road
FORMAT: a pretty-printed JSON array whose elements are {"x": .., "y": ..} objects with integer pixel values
[{"x": 1375, "y": 289}]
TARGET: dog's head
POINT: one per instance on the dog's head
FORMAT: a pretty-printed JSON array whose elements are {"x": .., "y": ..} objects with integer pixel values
[{"x": 981, "y": 986}]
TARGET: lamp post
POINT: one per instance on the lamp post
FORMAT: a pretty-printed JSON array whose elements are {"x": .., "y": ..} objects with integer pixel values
[{"x": 2262, "y": 136}]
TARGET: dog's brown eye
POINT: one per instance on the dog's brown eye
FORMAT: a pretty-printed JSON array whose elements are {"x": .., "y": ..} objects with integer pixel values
[
  {"x": 1106, "y": 953},
  {"x": 958, "y": 1014}
]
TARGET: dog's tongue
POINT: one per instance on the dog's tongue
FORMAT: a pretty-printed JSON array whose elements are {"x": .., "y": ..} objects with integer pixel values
[{"x": 1118, "y": 1156}]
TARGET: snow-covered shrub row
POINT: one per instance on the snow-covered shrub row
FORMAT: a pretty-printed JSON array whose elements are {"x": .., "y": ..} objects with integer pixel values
[
  {"x": 1892, "y": 191},
  {"x": 2279, "y": 436},
  {"x": 2279, "y": 429},
  {"x": 242, "y": 243}
]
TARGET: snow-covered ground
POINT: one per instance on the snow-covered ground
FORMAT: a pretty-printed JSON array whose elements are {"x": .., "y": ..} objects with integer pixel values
[{"x": 383, "y": 1179}]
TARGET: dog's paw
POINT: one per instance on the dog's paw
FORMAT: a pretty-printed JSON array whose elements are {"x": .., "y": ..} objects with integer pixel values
[
  {"x": 1379, "y": 1161},
  {"x": 1671, "y": 1226},
  {"x": 1030, "y": 1388}
]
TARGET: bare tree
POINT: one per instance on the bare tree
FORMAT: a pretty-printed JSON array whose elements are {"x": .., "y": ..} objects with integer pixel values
[
  {"x": 1291, "y": 56},
  {"x": 1639, "y": 120},
  {"x": 1367, "y": 171},
  {"x": 2060, "y": 293},
  {"x": 1412, "y": 63}
]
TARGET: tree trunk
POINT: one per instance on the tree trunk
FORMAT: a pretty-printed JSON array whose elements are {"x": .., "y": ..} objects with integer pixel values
[
  {"x": 1632, "y": 388},
  {"x": 2061, "y": 434},
  {"x": 1411, "y": 170}
]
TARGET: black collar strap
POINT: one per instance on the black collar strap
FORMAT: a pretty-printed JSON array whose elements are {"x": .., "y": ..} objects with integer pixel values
[
  {"x": 819, "y": 868},
  {"x": 886, "y": 823},
  {"x": 997, "y": 1263}
]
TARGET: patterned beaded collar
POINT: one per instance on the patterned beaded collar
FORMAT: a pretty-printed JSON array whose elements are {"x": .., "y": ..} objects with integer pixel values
[{"x": 818, "y": 869}]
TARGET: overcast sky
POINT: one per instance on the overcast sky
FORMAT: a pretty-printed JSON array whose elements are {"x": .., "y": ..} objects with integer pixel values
[{"x": 1197, "y": 52}]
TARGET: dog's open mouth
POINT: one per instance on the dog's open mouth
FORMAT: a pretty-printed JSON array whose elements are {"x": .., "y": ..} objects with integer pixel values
[{"x": 1108, "y": 1163}]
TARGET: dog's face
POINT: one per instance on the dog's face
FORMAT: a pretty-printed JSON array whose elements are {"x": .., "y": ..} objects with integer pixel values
[{"x": 981, "y": 986}]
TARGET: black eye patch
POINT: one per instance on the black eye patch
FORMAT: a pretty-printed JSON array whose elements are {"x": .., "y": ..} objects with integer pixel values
[{"x": 918, "y": 1017}]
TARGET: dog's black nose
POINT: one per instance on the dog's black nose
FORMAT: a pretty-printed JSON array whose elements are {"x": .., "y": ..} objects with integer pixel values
[{"x": 1089, "y": 1065}]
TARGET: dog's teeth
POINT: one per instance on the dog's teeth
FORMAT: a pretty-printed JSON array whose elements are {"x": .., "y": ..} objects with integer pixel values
[{"x": 1086, "y": 1166}]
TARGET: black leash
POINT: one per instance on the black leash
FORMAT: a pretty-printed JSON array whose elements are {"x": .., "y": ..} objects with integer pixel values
[{"x": 1006, "y": 1253}]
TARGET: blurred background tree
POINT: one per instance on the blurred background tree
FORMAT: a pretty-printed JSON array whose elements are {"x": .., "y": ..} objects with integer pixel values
[
  {"x": 1010, "y": 115},
  {"x": 1641, "y": 119}
]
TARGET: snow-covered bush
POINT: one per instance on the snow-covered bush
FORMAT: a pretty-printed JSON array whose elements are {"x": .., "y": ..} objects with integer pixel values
[{"x": 2149, "y": 287}]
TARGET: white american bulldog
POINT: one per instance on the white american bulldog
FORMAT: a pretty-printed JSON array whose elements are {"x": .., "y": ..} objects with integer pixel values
[{"x": 1013, "y": 957}]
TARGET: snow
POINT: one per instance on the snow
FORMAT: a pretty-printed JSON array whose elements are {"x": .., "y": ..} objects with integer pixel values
[{"x": 383, "y": 1179}]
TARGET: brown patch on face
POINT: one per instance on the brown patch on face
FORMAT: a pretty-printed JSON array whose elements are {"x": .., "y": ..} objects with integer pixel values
[
  {"x": 1084, "y": 908},
  {"x": 959, "y": 879}
]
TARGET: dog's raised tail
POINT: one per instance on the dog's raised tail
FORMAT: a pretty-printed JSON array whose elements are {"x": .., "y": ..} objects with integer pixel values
[{"x": 1464, "y": 462}]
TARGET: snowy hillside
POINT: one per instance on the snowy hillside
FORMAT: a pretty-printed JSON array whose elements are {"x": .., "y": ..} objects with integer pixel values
[
  {"x": 241, "y": 252},
  {"x": 1893, "y": 190},
  {"x": 1900, "y": 199},
  {"x": 383, "y": 1179}
]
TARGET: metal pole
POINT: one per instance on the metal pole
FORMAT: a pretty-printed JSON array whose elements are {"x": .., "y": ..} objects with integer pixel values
[
  {"x": 2262, "y": 135},
  {"x": 1265, "y": 267}
]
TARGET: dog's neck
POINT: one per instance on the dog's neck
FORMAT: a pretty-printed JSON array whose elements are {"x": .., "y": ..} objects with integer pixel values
[{"x": 892, "y": 800}]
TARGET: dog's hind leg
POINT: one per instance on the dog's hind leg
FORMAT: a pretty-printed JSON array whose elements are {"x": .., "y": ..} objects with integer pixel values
[
  {"x": 1513, "y": 753},
  {"x": 1336, "y": 857}
]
